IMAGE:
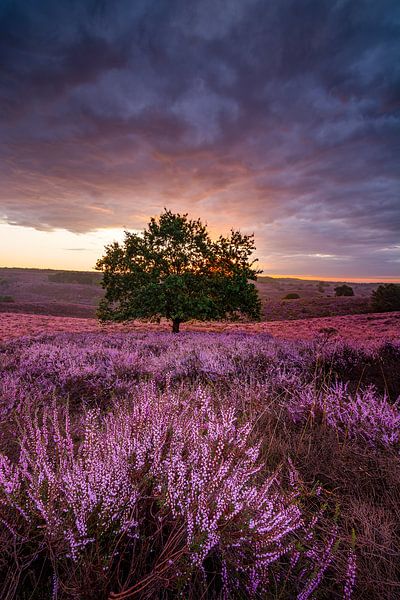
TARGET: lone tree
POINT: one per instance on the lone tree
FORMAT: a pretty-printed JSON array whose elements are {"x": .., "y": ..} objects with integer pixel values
[
  {"x": 344, "y": 290},
  {"x": 386, "y": 298},
  {"x": 174, "y": 270}
]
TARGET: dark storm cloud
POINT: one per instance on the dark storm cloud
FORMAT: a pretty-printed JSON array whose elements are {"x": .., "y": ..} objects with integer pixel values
[{"x": 280, "y": 117}]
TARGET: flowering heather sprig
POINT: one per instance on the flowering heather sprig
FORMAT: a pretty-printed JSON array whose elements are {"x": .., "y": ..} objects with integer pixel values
[
  {"x": 204, "y": 469},
  {"x": 76, "y": 496},
  {"x": 210, "y": 472},
  {"x": 362, "y": 416},
  {"x": 322, "y": 561},
  {"x": 350, "y": 575}
]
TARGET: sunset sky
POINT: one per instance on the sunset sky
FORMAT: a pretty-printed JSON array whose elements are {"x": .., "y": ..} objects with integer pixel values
[{"x": 277, "y": 117}]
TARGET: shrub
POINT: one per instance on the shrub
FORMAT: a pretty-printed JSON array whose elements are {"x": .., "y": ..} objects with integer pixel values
[
  {"x": 215, "y": 466},
  {"x": 157, "y": 484},
  {"x": 328, "y": 331},
  {"x": 6, "y": 299},
  {"x": 321, "y": 286},
  {"x": 291, "y": 296},
  {"x": 344, "y": 290},
  {"x": 386, "y": 298},
  {"x": 78, "y": 277}
]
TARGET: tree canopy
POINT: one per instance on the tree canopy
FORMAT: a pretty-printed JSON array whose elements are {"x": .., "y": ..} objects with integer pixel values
[{"x": 174, "y": 270}]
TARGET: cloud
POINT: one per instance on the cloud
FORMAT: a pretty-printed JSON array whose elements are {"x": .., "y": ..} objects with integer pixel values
[{"x": 279, "y": 117}]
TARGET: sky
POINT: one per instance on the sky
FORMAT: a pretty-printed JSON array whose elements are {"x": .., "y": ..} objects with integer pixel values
[{"x": 278, "y": 117}]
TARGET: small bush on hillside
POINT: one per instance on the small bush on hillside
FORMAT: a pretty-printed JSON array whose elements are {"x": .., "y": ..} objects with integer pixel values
[
  {"x": 344, "y": 290},
  {"x": 386, "y": 298},
  {"x": 321, "y": 286},
  {"x": 74, "y": 277},
  {"x": 6, "y": 299},
  {"x": 291, "y": 296}
]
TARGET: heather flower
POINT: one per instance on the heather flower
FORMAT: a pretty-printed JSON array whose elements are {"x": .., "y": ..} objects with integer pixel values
[
  {"x": 149, "y": 451},
  {"x": 350, "y": 575}
]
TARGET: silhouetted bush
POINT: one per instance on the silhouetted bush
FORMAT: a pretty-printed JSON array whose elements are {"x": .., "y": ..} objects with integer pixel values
[
  {"x": 386, "y": 298},
  {"x": 291, "y": 296},
  {"x": 344, "y": 290}
]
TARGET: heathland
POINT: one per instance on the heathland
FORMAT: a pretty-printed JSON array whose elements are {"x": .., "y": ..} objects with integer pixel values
[
  {"x": 77, "y": 294},
  {"x": 227, "y": 461}
]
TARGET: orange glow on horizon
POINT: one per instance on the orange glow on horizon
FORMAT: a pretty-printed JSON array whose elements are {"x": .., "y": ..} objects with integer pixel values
[
  {"x": 260, "y": 277},
  {"x": 25, "y": 247},
  {"x": 334, "y": 279}
]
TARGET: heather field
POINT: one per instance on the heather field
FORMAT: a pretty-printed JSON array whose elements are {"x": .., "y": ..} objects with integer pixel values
[
  {"x": 371, "y": 328},
  {"x": 141, "y": 464},
  {"x": 77, "y": 294}
]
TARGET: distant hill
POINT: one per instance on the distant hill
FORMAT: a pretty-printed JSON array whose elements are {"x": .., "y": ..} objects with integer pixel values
[
  {"x": 77, "y": 294},
  {"x": 46, "y": 291}
]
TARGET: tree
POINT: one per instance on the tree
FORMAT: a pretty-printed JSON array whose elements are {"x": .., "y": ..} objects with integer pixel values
[
  {"x": 344, "y": 290},
  {"x": 174, "y": 270},
  {"x": 386, "y": 298}
]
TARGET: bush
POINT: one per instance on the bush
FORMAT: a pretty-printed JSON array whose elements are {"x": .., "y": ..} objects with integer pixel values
[
  {"x": 321, "y": 286},
  {"x": 344, "y": 290},
  {"x": 386, "y": 298},
  {"x": 75, "y": 277},
  {"x": 6, "y": 299},
  {"x": 291, "y": 296}
]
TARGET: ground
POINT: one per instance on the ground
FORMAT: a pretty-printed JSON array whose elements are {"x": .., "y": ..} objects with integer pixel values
[
  {"x": 370, "y": 327},
  {"x": 48, "y": 292},
  {"x": 37, "y": 301}
]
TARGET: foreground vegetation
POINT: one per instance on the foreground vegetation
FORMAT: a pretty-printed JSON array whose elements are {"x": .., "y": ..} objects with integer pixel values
[{"x": 208, "y": 465}]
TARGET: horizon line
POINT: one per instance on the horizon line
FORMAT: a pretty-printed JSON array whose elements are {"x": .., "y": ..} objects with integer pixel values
[{"x": 337, "y": 279}]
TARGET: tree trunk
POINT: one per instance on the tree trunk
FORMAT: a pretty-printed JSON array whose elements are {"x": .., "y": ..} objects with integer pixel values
[{"x": 175, "y": 325}]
